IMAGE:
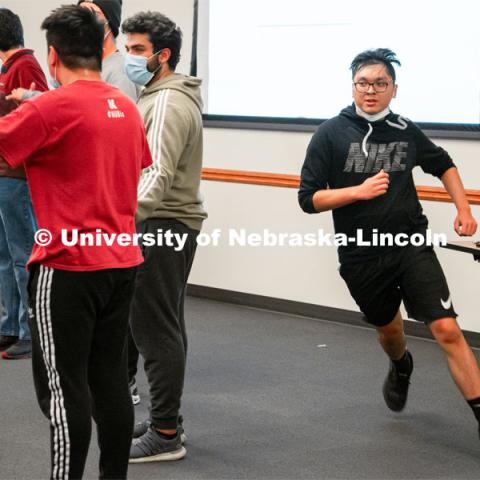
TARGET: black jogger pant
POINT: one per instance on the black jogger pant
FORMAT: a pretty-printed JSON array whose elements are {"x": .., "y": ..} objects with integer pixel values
[
  {"x": 133, "y": 356},
  {"x": 157, "y": 319},
  {"x": 79, "y": 325}
]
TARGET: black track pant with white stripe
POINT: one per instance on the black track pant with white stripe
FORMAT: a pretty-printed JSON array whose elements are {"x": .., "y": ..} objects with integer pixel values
[{"x": 79, "y": 325}]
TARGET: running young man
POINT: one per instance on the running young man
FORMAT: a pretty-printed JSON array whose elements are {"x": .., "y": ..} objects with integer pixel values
[
  {"x": 84, "y": 146},
  {"x": 359, "y": 165}
]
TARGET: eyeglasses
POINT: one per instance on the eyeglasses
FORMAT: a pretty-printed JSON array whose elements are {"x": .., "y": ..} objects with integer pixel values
[{"x": 378, "y": 87}]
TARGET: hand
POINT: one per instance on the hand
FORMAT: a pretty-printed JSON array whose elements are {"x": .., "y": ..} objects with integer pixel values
[
  {"x": 465, "y": 225},
  {"x": 374, "y": 186},
  {"x": 17, "y": 94}
]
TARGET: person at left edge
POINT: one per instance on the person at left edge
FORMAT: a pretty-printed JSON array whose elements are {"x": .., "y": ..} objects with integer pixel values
[
  {"x": 17, "y": 222},
  {"x": 83, "y": 164}
]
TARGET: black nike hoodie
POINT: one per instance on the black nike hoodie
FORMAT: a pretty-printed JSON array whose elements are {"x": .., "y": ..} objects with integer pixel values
[{"x": 346, "y": 150}]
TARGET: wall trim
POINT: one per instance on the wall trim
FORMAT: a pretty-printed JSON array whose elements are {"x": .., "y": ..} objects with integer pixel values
[
  {"x": 433, "y": 194},
  {"x": 308, "y": 310}
]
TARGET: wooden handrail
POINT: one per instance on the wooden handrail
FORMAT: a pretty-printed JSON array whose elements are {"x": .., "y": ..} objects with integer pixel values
[{"x": 433, "y": 194}]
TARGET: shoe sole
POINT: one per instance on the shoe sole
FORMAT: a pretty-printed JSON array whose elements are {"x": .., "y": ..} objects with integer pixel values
[{"x": 162, "y": 457}]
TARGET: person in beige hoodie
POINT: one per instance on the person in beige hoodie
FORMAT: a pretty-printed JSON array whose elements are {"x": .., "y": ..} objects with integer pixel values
[{"x": 170, "y": 208}]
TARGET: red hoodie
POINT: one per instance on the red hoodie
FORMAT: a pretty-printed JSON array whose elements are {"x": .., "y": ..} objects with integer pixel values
[{"x": 19, "y": 71}]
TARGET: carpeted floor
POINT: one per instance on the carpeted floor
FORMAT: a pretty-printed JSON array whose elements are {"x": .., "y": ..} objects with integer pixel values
[{"x": 273, "y": 396}]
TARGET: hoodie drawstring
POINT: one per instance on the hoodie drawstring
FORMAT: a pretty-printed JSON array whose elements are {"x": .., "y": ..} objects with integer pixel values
[
  {"x": 401, "y": 125},
  {"x": 364, "y": 143}
]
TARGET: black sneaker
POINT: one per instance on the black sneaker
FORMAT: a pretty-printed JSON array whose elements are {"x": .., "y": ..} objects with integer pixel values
[
  {"x": 134, "y": 392},
  {"x": 152, "y": 447},
  {"x": 7, "y": 341},
  {"x": 395, "y": 387},
  {"x": 20, "y": 349},
  {"x": 141, "y": 428}
]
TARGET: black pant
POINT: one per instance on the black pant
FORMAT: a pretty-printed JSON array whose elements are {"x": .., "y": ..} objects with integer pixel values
[
  {"x": 157, "y": 319},
  {"x": 133, "y": 356},
  {"x": 412, "y": 274},
  {"x": 79, "y": 325}
]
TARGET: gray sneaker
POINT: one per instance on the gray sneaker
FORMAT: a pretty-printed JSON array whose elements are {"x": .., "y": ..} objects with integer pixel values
[
  {"x": 151, "y": 447},
  {"x": 20, "y": 349},
  {"x": 141, "y": 428}
]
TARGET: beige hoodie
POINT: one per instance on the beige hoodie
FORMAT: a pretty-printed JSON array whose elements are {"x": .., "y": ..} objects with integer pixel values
[{"x": 170, "y": 188}]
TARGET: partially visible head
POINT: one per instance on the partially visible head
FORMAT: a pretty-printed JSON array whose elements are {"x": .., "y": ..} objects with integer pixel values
[
  {"x": 151, "y": 32},
  {"x": 11, "y": 30},
  {"x": 373, "y": 78},
  {"x": 75, "y": 38},
  {"x": 108, "y": 11}
]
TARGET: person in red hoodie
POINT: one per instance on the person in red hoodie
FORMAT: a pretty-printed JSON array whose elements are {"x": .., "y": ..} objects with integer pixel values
[{"x": 17, "y": 222}]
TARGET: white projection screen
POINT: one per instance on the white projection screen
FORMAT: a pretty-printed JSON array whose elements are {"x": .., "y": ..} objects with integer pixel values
[{"x": 290, "y": 58}]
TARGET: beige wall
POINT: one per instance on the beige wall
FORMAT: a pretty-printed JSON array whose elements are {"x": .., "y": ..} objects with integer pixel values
[{"x": 307, "y": 274}]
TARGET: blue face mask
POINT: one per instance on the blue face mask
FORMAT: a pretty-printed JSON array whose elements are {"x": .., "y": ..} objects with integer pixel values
[
  {"x": 54, "y": 83},
  {"x": 136, "y": 69}
]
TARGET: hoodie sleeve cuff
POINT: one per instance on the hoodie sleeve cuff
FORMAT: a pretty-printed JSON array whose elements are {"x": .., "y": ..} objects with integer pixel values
[
  {"x": 444, "y": 168},
  {"x": 306, "y": 203}
]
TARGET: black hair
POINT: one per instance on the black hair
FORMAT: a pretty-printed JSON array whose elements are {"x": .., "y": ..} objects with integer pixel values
[
  {"x": 162, "y": 32},
  {"x": 383, "y": 56},
  {"x": 77, "y": 36},
  {"x": 11, "y": 30}
]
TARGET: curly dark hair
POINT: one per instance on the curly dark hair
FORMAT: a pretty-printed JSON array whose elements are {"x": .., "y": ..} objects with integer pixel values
[
  {"x": 383, "y": 56},
  {"x": 77, "y": 36},
  {"x": 162, "y": 32},
  {"x": 11, "y": 30}
]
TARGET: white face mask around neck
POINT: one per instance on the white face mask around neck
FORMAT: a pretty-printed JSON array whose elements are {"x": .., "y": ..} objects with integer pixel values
[{"x": 372, "y": 118}]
